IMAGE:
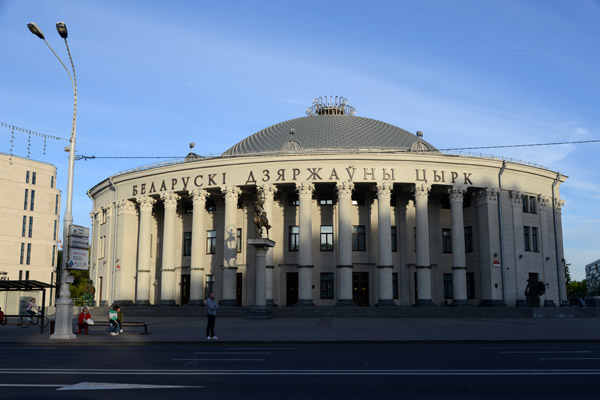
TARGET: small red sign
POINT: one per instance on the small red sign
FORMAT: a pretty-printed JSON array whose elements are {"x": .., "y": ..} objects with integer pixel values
[
  {"x": 118, "y": 267},
  {"x": 496, "y": 264}
]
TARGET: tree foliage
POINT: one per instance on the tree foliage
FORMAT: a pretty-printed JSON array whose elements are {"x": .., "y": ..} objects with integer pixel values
[{"x": 576, "y": 290}]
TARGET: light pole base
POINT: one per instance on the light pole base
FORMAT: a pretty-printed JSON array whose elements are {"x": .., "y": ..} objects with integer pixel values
[{"x": 63, "y": 325}]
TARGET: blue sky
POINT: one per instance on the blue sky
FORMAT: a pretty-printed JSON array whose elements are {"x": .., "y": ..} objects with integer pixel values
[{"x": 154, "y": 76}]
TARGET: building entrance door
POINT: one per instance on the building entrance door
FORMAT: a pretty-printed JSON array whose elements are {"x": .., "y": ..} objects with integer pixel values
[
  {"x": 238, "y": 288},
  {"x": 185, "y": 289},
  {"x": 360, "y": 288},
  {"x": 292, "y": 288}
]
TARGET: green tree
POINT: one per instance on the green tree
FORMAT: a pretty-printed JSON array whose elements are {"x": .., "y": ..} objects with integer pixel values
[{"x": 576, "y": 290}]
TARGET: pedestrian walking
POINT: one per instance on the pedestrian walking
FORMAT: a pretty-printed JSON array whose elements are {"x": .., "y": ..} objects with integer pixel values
[
  {"x": 84, "y": 318},
  {"x": 112, "y": 320},
  {"x": 211, "y": 314},
  {"x": 120, "y": 319}
]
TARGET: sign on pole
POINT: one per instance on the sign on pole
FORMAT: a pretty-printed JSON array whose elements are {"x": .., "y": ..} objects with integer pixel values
[{"x": 78, "y": 258}]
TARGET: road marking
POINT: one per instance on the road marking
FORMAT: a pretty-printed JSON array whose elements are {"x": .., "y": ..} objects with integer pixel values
[
  {"x": 260, "y": 348},
  {"x": 316, "y": 372},
  {"x": 518, "y": 348},
  {"x": 119, "y": 386},
  {"x": 231, "y": 352},
  {"x": 571, "y": 358},
  {"x": 546, "y": 352},
  {"x": 28, "y": 385},
  {"x": 218, "y": 359},
  {"x": 27, "y": 348}
]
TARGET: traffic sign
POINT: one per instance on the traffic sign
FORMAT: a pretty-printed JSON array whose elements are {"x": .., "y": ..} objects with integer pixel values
[
  {"x": 79, "y": 242},
  {"x": 78, "y": 258},
  {"x": 77, "y": 230}
]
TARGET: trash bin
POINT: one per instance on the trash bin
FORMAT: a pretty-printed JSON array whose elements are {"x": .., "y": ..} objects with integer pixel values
[{"x": 51, "y": 327}]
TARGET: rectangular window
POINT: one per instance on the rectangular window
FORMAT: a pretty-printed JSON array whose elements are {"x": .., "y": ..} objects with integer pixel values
[
  {"x": 28, "y": 253},
  {"x": 534, "y": 239},
  {"x": 526, "y": 238},
  {"x": 33, "y": 178},
  {"x": 210, "y": 205},
  {"x": 293, "y": 200},
  {"x": 30, "y": 226},
  {"x": 532, "y": 205},
  {"x": 52, "y": 182},
  {"x": 53, "y": 253},
  {"x": 56, "y": 206},
  {"x": 55, "y": 225},
  {"x": 525, "y": 204},
  {"x": 20, "y": 274},
  {"x": 327, "y": 285},
  {"x": 395, "y": 285},
  {"x": 468, "y": 239},
  {"x": 294, "y": 240},
  {"x": 326, "y": 199},
  {"x": 358, "y": 238},
  {"x": 326, "y": 238},
  {"x": 27, "y": 177},
  {"x": 358, "y": 199},
  {"x": 102, "y": 246},
  {"x": 22, "y": 254},
  {"x": 32, "y": 200},
  {"x": 210, "y": 285},
  {"x": 470, "y": 285},
  {"x": 25, "y": 202},
  {"x": 211, "y": 242},
  {"x": 447, "y": 240},
  {"x": 239, "y": 240},
  {"x": 24, "y": 228},
  {"x": 394, "y": 239},
  {"x": 187, "y": 244},
  {"x": 27, "y": 273},
  {"x": 447, "y": 286}
]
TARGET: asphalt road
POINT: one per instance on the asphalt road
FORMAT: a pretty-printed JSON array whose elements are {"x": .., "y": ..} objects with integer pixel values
[{"x": 221, "y": 371}]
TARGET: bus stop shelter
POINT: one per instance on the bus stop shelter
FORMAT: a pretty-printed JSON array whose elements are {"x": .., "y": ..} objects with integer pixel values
[{"x": 28, "y": 286}]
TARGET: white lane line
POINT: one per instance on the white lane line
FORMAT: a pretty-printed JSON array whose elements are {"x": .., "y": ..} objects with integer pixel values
[
  {"x": 119, "y": 386},
  {"x": 546, "y": 352},
  {"x": 231, "y": 352},
  {"x": 28, "y": 385},
  {"x": 218, "y": 359},
  {"x": 483, "y": 372},
  {"x": 27, "y": 348},
  {"x": 260, "y": 348},
  {"x": 571, "y": 358},
  {"x": 519, "y": 348}
]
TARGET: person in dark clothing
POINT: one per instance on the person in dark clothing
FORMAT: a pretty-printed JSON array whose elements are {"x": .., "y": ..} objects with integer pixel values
[{"x": 211, "y": 314}]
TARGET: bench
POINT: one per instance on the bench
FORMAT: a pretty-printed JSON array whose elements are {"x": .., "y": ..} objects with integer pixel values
[{"x": 126, "y": 324}]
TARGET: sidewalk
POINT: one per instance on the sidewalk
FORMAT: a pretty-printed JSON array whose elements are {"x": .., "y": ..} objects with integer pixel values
[{"x": 331, "y": 330}]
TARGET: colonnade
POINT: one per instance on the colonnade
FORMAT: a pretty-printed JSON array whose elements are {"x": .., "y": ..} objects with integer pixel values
[{"x": 305, "y": 252}]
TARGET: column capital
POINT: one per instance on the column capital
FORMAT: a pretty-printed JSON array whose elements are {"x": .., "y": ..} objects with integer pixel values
[
  {"x": 125, "y": 207},
  {"x": 516, "y": 198},
  {"x": 94, "y": 214},
  {"x": 170, "y": 199},
  {"x": 457, "y": 193},
  {"x": 146, "y": 203},
  {"x": 421, "y": 190},
  {"x": 267, "y": 190},
  {"x": 384, "y": 189},
  {"x": 558, "y": 203},
  {"x": 107, "y": 209},
  {"x": 231, "y": 193},
  {"x": 487, "y": 195},
  {"x": 305, "y": 188},
  {"x": 344, "y": 189},
  {"x": 198, "y": 195},
  {"x": 544, "y": 201}
]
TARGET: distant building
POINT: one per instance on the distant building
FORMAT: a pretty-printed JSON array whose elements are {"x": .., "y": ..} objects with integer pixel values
[
  {"x": 592, "y": 278},
  {"x": 29, "y": 225},
  {"x": 362, "y": 212}
]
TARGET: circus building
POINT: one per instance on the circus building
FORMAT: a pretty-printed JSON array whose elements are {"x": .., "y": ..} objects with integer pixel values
[{"x": 362, "y": 213}]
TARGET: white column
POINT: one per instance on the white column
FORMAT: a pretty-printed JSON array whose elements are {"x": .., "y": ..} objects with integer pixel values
[
  {"x": 305, "y": 266},
  {"x": 126, "y": 252},
  {"x": 423, "y": 257},
  {"x": 268, "y": 192},
  {"x": 167, "y": 275},
  {"x": 518, "y": 275},
  {"x": 198, "y": 247},
  {"x": 384, "y": 233},
  {"x": 489, "y": 247},
  {"x": 459, "y": 264},
  {"x": 344, "y": 244},
  {"x": 231, "y": 194},
  {"x": 144, "y": 242}
]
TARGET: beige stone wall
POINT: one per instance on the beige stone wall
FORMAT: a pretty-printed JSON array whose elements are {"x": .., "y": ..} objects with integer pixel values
[{"x": 13, "y": 208}]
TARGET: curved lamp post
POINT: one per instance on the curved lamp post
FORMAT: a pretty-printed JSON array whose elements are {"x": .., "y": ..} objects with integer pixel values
[{"x": 64, "y": 305}]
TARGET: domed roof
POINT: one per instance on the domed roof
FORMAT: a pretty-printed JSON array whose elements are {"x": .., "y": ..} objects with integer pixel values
[{"x": 319, "y": 132}]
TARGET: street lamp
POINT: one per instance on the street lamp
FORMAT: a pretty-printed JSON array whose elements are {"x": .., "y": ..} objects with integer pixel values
[{"x": 64, "y": 305}]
